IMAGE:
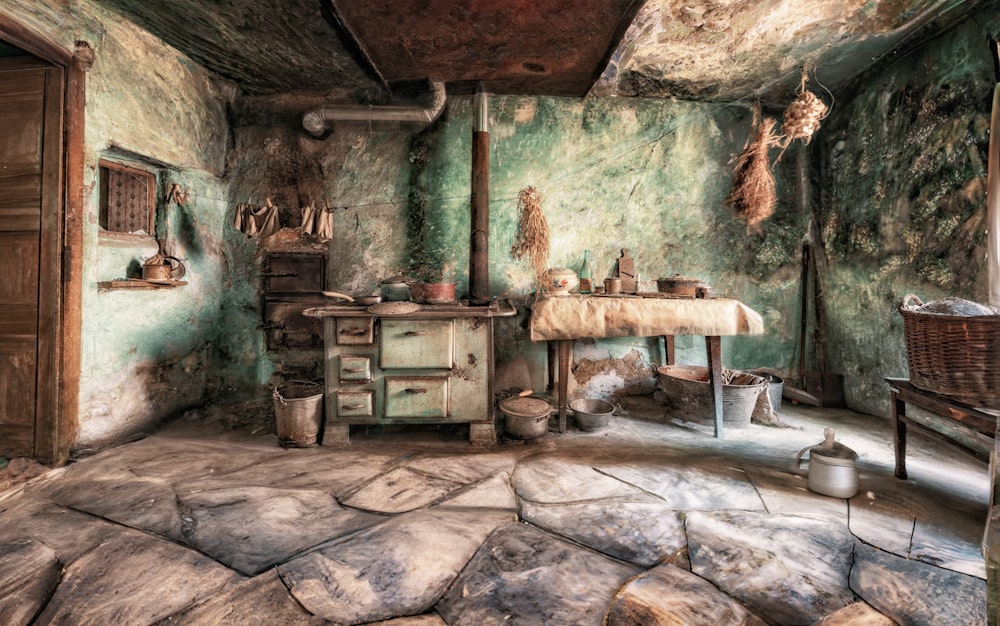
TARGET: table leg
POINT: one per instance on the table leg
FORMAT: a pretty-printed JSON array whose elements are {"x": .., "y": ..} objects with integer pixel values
[
  {"x": 668, "y": 349},
  {"x": 899, "y": 434},
  {"x": 714, "y": 347},
  {"x": 564, "y": 346},
  {"x": 550, "y": 351}
]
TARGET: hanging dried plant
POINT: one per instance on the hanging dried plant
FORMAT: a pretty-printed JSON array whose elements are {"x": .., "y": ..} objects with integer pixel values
[
  {"x": 754, "y": 194},
  {"x": 803, "y": 116},
  {"x": 532, "y": 239}
]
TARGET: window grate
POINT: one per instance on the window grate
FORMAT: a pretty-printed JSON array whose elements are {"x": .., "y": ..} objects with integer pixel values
[{"x": 127, "y": 199}]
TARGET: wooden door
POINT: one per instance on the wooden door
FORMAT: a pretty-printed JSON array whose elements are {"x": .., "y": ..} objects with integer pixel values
[{"x": 30, "y": 157}]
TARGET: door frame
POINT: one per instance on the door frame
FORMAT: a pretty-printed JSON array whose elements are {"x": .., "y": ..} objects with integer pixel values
[{"x": 61, "y": 272}]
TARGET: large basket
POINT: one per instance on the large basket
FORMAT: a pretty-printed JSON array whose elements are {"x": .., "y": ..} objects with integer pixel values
[{"x": 953, "y": 355}]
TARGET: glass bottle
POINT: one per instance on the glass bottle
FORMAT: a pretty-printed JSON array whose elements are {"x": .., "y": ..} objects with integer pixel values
[{"x": 586, "y": 278}]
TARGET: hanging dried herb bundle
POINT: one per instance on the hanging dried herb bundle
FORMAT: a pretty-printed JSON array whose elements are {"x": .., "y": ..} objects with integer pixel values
[
  {"x": 754, "y": 194},
  {"x": 803, "y": 115},
  {"x": 532, "y": 239}
]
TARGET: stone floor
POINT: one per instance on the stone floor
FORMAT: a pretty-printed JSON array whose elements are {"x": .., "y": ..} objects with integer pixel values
[{"x": 649, "y": 521}]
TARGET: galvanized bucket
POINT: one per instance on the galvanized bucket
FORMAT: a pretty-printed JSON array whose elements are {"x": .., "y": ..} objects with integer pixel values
[{"x": 298, "y": 413}]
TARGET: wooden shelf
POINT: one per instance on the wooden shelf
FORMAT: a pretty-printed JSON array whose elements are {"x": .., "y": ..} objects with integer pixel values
[{"x": 137, "y": 283}]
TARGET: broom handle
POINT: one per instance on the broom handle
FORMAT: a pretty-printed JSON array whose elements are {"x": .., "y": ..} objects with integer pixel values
[
  {"x": 804, "y": 323},
  {"x": 993, "y": 201}
]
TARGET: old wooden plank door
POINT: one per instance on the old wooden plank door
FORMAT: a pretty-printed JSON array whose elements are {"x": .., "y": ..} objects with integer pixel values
[{"x": 31, "y": 104}]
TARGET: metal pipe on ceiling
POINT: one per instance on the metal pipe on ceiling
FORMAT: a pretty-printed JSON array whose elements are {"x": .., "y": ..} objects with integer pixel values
[{"x": 317, "y": 121}]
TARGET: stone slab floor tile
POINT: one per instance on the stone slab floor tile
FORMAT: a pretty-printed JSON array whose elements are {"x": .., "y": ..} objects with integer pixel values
[
  {"x": 251, "y": 528},
  {"x": 494, "y": 492},
  {"x": 691, "y": 487},
  {"x": 670, "y": 595},
  {"x": 786, "y": 493},
  {"x": 133, "y": 579},
  {"x": 790, "y": 570},
  {"x": 29, "y": 572},
  {"x": 428, "y": 619},
  {"x": 400, "y": 490},
  {"x": 400, "y": 567},
  {"x": 337, "y": 471},
  {"x": 164, "y": 457},
  {"x": 523, "y": 575},
  {"x": 883, "y": 519},
  {"x": 915, "y": 593},
  {"x": 471, "y": 466},
  {"x": 857, "y": 614},
  {"x": 566, "y": 477},
  {"x": 947, "y": 543},
  {"x": 263, "y": 599},
  {"x": 119, "y": 495},
  {"x": 70, "y": 533},
  {"x": 641, "y": 532}
]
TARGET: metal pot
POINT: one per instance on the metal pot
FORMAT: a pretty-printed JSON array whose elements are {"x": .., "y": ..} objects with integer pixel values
[
  {"x": 526, "y": 418},
  {"x": 432, "y": 293},
  {"x": 678, "y": 285},
  {"x": 592, "y": 413}
]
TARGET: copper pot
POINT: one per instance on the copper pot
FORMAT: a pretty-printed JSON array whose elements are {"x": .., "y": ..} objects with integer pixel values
[
  {"x": 432, "y": 293},
  {"x": 678, "y": 285}
]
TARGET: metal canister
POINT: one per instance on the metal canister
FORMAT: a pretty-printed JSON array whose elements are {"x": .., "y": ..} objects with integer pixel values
[{"x": 832, "y": 468}]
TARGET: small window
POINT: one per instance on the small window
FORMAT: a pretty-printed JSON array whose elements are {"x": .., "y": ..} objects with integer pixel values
[{"x": 128, "y": 199}]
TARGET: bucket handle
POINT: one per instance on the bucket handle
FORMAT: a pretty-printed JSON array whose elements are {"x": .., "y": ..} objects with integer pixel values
[{"x": 280, "y": 398}]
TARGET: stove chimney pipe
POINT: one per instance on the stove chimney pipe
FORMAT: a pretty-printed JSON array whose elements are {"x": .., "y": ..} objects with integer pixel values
[{"x": 479, "y": 272}]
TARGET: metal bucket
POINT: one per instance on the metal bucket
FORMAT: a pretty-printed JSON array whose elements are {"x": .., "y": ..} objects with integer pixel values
[
  {"x": 591, "y": 413},
  {"x": 526, "y": 418},
  {"x": 775, "y": 387},
  {"x": 688, "y": 392},
  {"x": 298, "y": 413}
]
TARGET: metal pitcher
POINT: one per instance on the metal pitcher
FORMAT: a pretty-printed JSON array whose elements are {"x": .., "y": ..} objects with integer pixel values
[{"x": 832, "y": 469}]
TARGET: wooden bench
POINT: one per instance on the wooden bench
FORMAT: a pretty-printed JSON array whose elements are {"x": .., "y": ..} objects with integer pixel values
[{"x": 959, "y": 423}]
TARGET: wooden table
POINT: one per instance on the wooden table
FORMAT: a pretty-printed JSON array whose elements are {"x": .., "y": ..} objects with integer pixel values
[
  {"x": 958, "y": 420},
  {"x": 564, "y": 319}
]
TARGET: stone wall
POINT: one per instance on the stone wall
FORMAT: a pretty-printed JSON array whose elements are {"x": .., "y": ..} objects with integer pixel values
[
  {"x": 146, "y": 355},
  {"x": 646, "y": 175},
  {"x": 903, "y": 204}
]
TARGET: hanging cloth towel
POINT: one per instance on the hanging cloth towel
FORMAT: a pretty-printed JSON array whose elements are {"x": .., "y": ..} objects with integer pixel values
[
  {"x": 308, "y": 219},
  {"x": 257, "y": 221},
  {"x": 324, "y": 224}
]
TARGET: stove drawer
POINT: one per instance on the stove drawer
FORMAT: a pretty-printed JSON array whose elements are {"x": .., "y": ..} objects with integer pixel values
[
  {"x": 355, "y": 368},
  {"x": 417, "y": 344},
  {"x": 355, "y": 331},
  {"x": 356, "y": 404},
  {"x": 416, "y": 398}
]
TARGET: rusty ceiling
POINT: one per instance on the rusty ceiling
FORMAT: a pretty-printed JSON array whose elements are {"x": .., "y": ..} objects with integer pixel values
[{"x": 709, "y": 50}]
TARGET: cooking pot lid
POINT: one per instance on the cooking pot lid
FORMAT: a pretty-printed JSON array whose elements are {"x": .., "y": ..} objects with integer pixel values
[
  {"x": 830, "y": 449},
  {"x": 525, "y": 407}
]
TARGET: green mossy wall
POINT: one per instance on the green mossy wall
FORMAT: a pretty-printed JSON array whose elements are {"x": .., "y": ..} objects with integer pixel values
[
  {"x": 146, "y": 355},
  {"x": 647, "y": 175},
  {"x": 899, "y": 173},
  {"x": 903, "y": 208}
]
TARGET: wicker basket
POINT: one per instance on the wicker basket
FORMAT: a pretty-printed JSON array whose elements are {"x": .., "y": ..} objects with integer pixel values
[{"x": 953, "y": 355}]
